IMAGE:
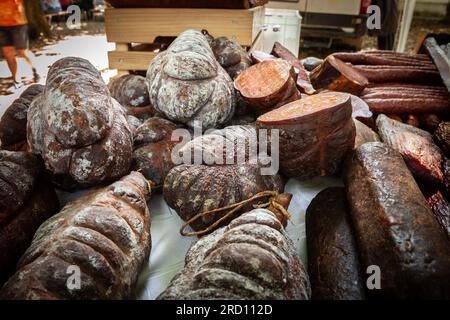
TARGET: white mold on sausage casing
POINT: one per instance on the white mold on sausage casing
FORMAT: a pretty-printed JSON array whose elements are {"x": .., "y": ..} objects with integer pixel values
[{"x": 188, "y": 85}]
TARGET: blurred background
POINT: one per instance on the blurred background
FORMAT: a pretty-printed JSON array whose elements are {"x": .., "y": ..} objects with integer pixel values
[{"x": 306, "y": 27}]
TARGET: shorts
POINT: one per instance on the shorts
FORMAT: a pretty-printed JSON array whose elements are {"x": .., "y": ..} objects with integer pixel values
[{"x": 15, "y": 36}]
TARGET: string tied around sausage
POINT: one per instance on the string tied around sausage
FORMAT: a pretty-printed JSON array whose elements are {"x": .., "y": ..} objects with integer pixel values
[{"x": 277, "y": 203}]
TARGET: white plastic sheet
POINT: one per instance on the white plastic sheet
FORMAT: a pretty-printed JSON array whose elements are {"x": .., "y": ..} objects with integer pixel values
[{"x": 169, "y": 247}]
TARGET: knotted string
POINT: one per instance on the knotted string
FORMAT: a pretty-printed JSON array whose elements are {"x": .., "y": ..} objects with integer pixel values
[{"x": 233, "y": 208}]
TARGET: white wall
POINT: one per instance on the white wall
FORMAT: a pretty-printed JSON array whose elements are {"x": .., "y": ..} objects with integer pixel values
[
  {"x": 433, "y": 7},
  {"x": 320, "y": 6}
]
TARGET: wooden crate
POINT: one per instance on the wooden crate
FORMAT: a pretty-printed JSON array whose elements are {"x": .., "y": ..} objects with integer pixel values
[{"x": 143, "y": 25}]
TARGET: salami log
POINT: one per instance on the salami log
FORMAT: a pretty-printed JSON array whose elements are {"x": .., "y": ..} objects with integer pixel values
[
  {"x": 406, "y": 86},
  {"x": 335, "y": 75},
  {"x": 152, "y": 154},
  {"x": 404, "y": 94},
  {"x": 395, "y": 228},
  {"x": 429, "y": 122},
  {"x": 187, "y": 85},
  {"x": 13, "y": 123},
  {"x": 398, "y": 55},
  {"x": 77, "y": 128},
  {"x": 105, "y": 235},
  {"x": 408, "y": 105},
  {"x": 362, "y": 58},
  {"x": 422, "y": 156},
  {"x": 439, "y": 205},
  {"x": 231, "y": 56},
  {"x": 399, "y": 74},
  {"x": 132, "y": 93},
  {"x": 364, "y": 134},
  {"x": 193, "y": 189},
  {"x": 303, "y": 82},
  {"x": 227, "y": 173},
  {"x": 268, "y": 85},
  {"x": 234, "y": 59},
  {"x": 252, "y": 258},
  {"x": 27, "y": 199},
  {"x": 130, "y": 90},
  {"x": 315, "y": 134},
  {"x": 333, "y": 264},
  {"x": 407, "y": 68},
  {"x": 442, "y": 137}
]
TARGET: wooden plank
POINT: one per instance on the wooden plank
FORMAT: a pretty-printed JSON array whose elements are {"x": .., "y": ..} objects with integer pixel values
[
  {"x": 144, "y": 25},
  {"x": 119, "y": 74},
  {"x": 130, "y": 60},
  {"x": 122, "y": 47}
]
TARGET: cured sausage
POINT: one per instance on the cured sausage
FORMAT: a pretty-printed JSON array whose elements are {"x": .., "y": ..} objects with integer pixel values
[
  {"x": 422, "y": 156},
  {"x": 303, "y": 81},
  {"x": 315, "y": 134},
  {"x": 224, "y": 177},
  {"x": 335, "y": 75},
  {"x": 187, "y": 85},
  {"x": 333, "y": 264},
  {"x": 442, "y": 137},
  {"x": 27, "y": 199},
  {"x": 152, "y": 154},
  {"x": 106, "y": 234},
  {"x": 364, "y": 134},
  {"x": 13, "y": 123},
  {"x": 395, "y": 228},
  {"x": 268, "y": 85},
  {"x": 252, "y": 258},
  {"x": 77, "y": 128}
]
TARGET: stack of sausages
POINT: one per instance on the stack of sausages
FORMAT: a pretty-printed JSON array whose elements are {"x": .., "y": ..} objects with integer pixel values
[{"x": 407, "y": 87}]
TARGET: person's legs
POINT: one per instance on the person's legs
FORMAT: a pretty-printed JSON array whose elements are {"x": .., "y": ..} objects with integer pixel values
[
  {"x": 24, "y": 53},
  {"x": 20, "y": 39},
  {"x": 9, "y": 53}
]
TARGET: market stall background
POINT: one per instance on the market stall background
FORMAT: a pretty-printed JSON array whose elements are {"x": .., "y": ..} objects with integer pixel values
[
  {"x": 66, "y": 42},
  {"x": 165, "y": 222}
]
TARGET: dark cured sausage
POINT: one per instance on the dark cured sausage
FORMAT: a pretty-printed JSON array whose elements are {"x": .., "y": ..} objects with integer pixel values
[
  {"x": 395, "y": 228},
  {"x": 416, "y": 146},
  {"x": 13, "y": 123},
  {"x": 398, "y": 74},
  {"x": 439, "y": 204},
  {"x": 333, "y": 265},
  {"x": 268, "y": 85},
  {"x": 250, "y": 259},
  {"x": 408, "y": 105},
  {"x": 303, "y": 81},
  {"x": 105, "y": 233},
  {"x": 364, "y": 134},
  {"x": 334, "y": 74},
  {"x": 315, "y": 134},
  {"x": 366, "y": 59}
]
